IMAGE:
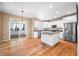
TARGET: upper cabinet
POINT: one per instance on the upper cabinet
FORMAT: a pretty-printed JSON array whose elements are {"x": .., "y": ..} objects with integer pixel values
[
  {"x": 38, "y": 25},
  {"x": 70, "y": 19}
]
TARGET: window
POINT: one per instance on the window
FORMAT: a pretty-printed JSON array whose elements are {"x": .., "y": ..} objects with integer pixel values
[{"x": 17, "y": 29}]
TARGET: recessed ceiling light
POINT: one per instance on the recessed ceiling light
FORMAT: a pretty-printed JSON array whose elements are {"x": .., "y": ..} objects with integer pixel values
[
  {"x": 57, "y": 12},
  {"x": 50, "y": 6}
]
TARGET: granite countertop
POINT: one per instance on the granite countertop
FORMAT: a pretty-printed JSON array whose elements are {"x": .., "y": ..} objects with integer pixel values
[
  {"x": 50, "y": 33},
  {"x": 45, "y": 30}
]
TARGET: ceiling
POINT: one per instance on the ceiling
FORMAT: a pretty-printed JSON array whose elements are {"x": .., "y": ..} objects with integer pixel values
[{"x": 40, "y": 10}]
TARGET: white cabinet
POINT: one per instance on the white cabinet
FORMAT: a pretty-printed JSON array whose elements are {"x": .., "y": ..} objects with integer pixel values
[
  {"x": 35, "y": 34},
  {"x": 50, "y": 39},
  {"x": 61, "y": 35}
]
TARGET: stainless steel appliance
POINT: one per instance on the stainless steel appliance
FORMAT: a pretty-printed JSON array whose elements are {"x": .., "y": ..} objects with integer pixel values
[{"x": 70, "y": 31}]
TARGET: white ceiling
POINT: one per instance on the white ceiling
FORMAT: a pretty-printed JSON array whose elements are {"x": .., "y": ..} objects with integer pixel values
[{"x": 40, "y": 10}]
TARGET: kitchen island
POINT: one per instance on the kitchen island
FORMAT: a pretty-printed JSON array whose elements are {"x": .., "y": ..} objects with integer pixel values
[{"x": 50, "y": 38}]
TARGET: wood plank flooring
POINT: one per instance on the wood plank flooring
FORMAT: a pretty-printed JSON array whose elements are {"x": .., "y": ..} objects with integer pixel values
[{"x": 34, "y": 47}]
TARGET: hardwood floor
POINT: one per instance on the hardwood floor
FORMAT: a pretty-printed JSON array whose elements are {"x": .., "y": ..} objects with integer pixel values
[{"x": 34, "y": 47}]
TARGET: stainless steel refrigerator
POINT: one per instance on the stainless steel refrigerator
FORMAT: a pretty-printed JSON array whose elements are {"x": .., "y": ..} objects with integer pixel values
[{"x": 70, "y": 31}]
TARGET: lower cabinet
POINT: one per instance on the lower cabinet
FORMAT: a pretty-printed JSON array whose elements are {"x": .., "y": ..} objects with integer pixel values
[
  {"x": 37, "y": 34},
  {"x": 50, "y": 39}
]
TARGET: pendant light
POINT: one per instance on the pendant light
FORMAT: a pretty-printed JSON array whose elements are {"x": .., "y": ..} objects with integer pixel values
[
  {"x": 22, "y": 21},
  {"x": 22, "y": 15}
]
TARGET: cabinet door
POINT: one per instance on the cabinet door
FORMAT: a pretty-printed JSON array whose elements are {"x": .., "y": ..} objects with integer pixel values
[{"x": 35, "y": 34}]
